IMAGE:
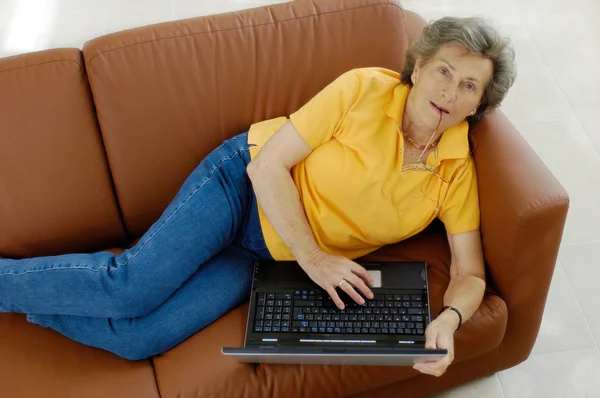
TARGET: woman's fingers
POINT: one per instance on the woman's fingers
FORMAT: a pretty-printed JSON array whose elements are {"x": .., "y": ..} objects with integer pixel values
[
  {"x": 362, "y": 273},
  {"x": 349, "y": 289},
  {"x": 335, "y": 297},
  {"x": 359, "y": 284}
]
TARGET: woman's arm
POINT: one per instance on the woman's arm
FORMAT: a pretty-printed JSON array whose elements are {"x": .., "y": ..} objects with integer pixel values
[
  {"x": 278, "y": 197},
  {"x": 465, "y": 293}
]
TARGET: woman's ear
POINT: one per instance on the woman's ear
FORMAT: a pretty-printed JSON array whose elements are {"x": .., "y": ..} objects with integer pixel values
[{"x": 415, "y": 72}]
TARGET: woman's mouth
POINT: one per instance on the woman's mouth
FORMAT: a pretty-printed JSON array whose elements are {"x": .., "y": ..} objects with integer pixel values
[{"x": 439, "y": 109}]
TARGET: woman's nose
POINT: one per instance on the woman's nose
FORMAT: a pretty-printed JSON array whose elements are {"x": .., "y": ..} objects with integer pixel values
[{"x": 448, "y": 92}]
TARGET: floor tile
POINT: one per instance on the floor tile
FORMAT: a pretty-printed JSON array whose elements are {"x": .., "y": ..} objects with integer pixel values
[
  {"x": 582, "y": 267},
  {"x": 565, "y": 374},
  {"x": 587, "y": 113},
  {"x": 73, "y": 28},
  {"x": 134, "y": 13},
  {"x": 563, "y": 325},
  {"x": 570, "y": 155},
  {"x": 488, "y": 387},
  {"x": 196, "y": 8}
]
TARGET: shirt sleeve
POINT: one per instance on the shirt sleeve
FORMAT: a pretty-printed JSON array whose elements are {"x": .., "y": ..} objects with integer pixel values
[
  {"x": 319, "y": 120},
  {"x": 460, "y": 210}
]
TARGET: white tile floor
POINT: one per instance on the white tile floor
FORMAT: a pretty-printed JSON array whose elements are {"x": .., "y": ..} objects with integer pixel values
[{"x": 553, "y": 103}]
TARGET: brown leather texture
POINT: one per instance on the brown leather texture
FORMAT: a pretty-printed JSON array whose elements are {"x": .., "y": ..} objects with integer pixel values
[
  {"x": 56, "y": 193},
  {"x": 166, "y": 95},
  {"x": 38, "y": 363},
  {"x": 523, "y": 213},
  {"x": 196, "y": 368}
]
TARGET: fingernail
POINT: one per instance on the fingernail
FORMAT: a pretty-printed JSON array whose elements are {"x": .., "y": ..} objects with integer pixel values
[{"x": 362, "y": 302}]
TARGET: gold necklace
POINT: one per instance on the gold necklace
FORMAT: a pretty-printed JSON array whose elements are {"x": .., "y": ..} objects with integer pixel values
[{"x": 417, "y": 146}]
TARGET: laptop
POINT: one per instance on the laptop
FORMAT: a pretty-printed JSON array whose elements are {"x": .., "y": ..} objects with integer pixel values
[{"x": 291, "y": 320}]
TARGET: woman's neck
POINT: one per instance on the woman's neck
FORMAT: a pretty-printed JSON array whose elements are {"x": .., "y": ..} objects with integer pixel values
[{"x": 415, "y": 130}]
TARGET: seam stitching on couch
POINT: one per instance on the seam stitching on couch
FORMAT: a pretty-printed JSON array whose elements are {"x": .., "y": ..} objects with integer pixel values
[
  {"x": 396, "y": 5},
  {"x": 44, "y": 63}
]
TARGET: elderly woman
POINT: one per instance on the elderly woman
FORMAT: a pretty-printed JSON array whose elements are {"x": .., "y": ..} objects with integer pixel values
[{"x": 369, "y": 161}]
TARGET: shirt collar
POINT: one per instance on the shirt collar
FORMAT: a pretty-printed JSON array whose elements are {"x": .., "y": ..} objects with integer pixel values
[{"x": 454, "y": 143}]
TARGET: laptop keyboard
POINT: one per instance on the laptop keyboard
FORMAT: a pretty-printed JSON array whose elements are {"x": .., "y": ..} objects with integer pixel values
[{"x": 312, "y": 311}]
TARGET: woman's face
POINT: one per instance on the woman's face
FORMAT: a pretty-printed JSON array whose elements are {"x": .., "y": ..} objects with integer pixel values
[{"x": 450, "y": 85}]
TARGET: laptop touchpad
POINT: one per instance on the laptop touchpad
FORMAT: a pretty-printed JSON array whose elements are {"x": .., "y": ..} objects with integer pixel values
[{"x": 376, "y": 276}]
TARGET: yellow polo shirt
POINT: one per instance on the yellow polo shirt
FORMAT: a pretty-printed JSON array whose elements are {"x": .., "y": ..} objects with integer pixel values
[{"x": 354, "y": 190}]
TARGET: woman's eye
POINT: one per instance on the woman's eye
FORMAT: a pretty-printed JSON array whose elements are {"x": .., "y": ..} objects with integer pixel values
[
  {"x": 443, "y": 71},
  {"x": 470, "y": 86}
]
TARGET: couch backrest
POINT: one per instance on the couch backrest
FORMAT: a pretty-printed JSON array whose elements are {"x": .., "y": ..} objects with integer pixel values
[
  {"x": 168, "y": 94},
  {"x": 56, "y": 193}
]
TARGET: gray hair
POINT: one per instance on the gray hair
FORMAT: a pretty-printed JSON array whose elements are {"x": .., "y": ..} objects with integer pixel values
[{"x": 477, "y": 36}]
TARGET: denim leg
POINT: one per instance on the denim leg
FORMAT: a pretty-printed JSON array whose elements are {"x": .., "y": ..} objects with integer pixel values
[
  {"x": 219, "y": 286},
  {"x": 202, "y": 220}
]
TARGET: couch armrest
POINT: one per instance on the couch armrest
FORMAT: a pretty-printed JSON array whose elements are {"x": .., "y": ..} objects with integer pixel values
[{"x": 523, "y": 212}]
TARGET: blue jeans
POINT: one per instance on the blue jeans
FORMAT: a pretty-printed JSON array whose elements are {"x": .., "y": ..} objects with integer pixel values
[{"x": 192, "y": 266}]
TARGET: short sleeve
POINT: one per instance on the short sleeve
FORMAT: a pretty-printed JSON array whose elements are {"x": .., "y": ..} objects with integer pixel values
[
  {"x": 460, "y": 210},
  {"x": 318, "y": 120}
]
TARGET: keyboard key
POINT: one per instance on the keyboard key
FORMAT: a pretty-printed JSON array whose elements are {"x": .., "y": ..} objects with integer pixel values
[
  {"x": 313, "y": 324},
  {"x": 370, "y": 318},
  {"x": 419, "y": 325},
  {"x": 304, "y": 297},
  {"x": 287, "y": 303},
  {"x": 278, "y": 303},
  {"x": 276, "y": 328},
  {"x": 405, "y": 297},
  {"x": 321, "y": 330},
  {"x": 267, "y": 329},
  {"x": 372, "y": 304},
  {"x": 393, "y": 325},
  {"x": 318, "y": 317},
  {"x": 379, "y": 318},
  {"x": 339, "y": 324},
  {"x": 330, "y": 324},
  {"x": 327, "y": 317},
  {"x": 277, "y": 310},
  {"x": 356, "y": 324},
  {"x": 388, "y": 318},
  {"x": 314, "y": 330},
  {"x": 420, "y": 331},
  {"x": 416, "y": 297},
  {"x": 329, "y": 330},
  {"x": 270, "y": 296},
  {"x": 353, "y": 317},
  {"x": 393, "y": 311},
  {"x": 415, "y": 311},
  {"x": 319, "y": 297},
  {"x": 302, "y": 329},
  {"x": 405, "y": 318},
  {"x": 295, "y": 329},
  {"x": 384, "y": 325},
  {"x": 297, "y": 292},
  {"x": 276, "y": 323},
  {"x": 260, "y": 313},
  {"x": 372, "y": 330},
  {"x": 406, "y": 304},
  {"x": 319, "y": 303},
  {"x": 376, "y": 311},
  {"x": 305, "y": 292},
  {"x": 335, "y": 317},
  {"x": 357, "y": 330},
  {"x": 337, "y": 330},
  {"x": 380, "y": 304},
  {"x": 299, "y": 316},
  {"x": 400, "y": 331},
  {"x": 283, "y": 296},
  {"x": 397, "y": 297},
  {"x": 393, "y": 331},
  {"x": 322, "y": 324},
  {"x": 397, "y": 318},
  {"x": 416, "y": 318},
  {"x": 268, "y": 316},
  {"x": 261, "y": 301},
  {"x": 285, "y": 329},
  {"x": 277, "y": 317},
  {"x": 416, "y": 304},
  {"x": 311, "y": 293},
  {"x": 348, "y": 324},
  {"x": 364, "y": 330},
  {"x": 309, "y": 317},
  {"x": 385, "y": 330},
  {"x": 379, "y": 297},
  {"x": 402, "y": 325},
  {"x": 349, "y": 330},
  {"x": 401, "y": 310},
  {"x": 408, "y": 331},
  {"x": 268, "y": 309},
  {"x": 286, "y": 310},
  {"x": 385, "y": 311},
  {"x": 375, "y": 324},
  {"x": 258, "y": 329},
  {"x": 285, "y": 324},
  {"x": 389, "y": 297}
]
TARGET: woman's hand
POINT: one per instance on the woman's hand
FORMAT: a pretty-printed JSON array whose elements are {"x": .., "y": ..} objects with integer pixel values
[
  {"x": 329, "y": 271},
  {"x": 439, "y": 335}
]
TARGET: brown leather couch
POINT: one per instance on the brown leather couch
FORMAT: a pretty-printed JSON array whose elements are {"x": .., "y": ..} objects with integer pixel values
[{"x": 95, "y": 143}]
